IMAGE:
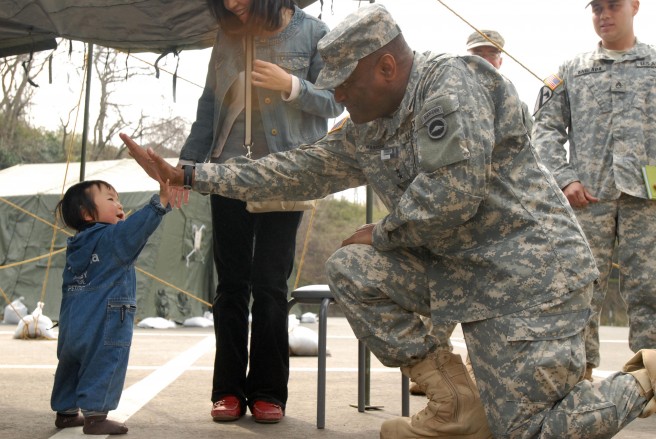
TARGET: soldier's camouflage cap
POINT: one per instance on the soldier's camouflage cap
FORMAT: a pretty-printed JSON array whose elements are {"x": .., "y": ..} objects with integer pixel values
[
  {"x": 358, "y": 35},
  {"x": 478, "y": 40}
]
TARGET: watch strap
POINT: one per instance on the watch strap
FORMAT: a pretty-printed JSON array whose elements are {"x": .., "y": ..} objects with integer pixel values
[{"x": 188, "y": 171}]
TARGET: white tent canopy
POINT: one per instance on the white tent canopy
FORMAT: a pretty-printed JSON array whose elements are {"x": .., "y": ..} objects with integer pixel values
[{"x": 48, "y": 178}]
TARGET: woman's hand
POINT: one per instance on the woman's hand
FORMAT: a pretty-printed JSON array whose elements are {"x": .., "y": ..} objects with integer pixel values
[{"x": 271, "y": 77}]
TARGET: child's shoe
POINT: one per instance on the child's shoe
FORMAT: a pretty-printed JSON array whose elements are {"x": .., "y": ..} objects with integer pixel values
[
  {"x": 99, "y": 424},
  {"x": 69, "y": 420}
]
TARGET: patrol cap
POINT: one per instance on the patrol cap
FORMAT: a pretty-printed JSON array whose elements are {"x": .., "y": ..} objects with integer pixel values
[
  {"x": 358, "y": 35},
  {"x": 477, "y": 40}
]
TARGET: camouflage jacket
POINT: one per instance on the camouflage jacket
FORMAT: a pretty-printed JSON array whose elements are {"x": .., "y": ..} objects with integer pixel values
[
  {"x": 460, "y": 179},
  {"x": 606, "y": 110}
]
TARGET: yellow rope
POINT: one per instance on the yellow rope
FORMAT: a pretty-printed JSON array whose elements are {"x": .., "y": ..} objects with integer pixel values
[
  {"x": 68, "y": 162},
  {"x": 25, "y": 330},
  {"x": 544, "y": 81},
  {"x": 8, "y": 301},
  {"x": 63, "y": 249},
  {"x": 152, "y": 276},
  {"x": 36, "y": 258},
  {"x": 305, "y": 245},
  {"x": 17, "y": 207}
]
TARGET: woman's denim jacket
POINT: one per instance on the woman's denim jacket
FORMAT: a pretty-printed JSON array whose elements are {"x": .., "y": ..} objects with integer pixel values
[{"x": 287, "y": 124}]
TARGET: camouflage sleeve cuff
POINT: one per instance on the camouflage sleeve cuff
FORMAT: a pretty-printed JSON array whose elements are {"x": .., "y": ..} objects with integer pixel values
[
  {"x": 566, "y": 178},
  {"x": 380, "y": 239}
]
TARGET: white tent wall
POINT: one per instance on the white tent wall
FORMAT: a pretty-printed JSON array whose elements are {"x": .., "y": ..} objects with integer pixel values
[{"x": 23, "y": 237}]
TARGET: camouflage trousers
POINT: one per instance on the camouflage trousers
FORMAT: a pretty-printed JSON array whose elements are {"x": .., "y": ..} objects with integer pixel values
[
  {"x": 527, "y": 364},
  {"x": 624, "y": 223}
]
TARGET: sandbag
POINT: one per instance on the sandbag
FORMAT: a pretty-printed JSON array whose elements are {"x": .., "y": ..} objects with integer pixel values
[
  {"x": 35, "y": 326},
  {"x": 198, "y": 322},
  {"x": 15, "y": 311},
  {"x": 303, "y": 341},
  {"x": 156, "y": 323}
]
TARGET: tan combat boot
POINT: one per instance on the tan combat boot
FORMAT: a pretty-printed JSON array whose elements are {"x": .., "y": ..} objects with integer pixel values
[
  {"x": 415, "y": 389},
  {"x": 454, "y": 407},
  {"x": 643, "y": 368}
]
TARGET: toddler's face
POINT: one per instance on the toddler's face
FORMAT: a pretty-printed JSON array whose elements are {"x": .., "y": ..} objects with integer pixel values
[{"x": 109, "y": 209}]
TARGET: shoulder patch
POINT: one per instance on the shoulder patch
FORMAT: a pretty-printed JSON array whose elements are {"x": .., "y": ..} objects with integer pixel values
[
  {"x": 545, "y": 94},
  {"x": 339, "y": 125},
  {"x": 553, "y": 81}
]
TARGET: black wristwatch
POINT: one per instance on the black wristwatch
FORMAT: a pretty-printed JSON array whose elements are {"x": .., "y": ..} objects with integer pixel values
[{"x": 188, "y": 176}]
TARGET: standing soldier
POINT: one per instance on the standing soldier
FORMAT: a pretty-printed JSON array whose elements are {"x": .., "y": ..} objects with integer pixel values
[{"x": 605, "y": 108}]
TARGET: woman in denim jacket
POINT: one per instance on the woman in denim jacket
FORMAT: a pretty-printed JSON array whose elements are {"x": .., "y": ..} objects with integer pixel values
[{"x": 254, "y": 252}]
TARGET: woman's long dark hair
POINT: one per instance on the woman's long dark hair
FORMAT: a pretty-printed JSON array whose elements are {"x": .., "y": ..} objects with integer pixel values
[{"x": 264, "y": 15}]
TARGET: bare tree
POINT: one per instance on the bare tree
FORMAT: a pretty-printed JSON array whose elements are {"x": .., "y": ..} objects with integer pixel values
[
  {"x": 109, "y": 116},
  {"x": 17, "y": 91},
  {"x": 168, "y": 133},
  {"x": 110, "y": 120}
]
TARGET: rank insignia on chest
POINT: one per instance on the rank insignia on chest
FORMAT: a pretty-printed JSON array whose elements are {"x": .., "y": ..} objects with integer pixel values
[{"x": 389, "y": 153}]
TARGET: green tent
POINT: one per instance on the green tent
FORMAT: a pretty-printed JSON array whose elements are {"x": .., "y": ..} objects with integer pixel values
[{"x": 173, "y": 280}]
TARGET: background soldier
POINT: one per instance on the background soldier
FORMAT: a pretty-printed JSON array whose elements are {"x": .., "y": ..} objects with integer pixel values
[{"x": 605, "y": 108}]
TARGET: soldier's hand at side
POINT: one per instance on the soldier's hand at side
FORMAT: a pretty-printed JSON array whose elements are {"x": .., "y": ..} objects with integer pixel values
[
  {"x": 363, "y": 235},
  {"x": 578, "y": 195}
]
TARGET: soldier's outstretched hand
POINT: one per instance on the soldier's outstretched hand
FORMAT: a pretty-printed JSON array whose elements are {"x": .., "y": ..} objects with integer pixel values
[{"x": 154, "y": 165}]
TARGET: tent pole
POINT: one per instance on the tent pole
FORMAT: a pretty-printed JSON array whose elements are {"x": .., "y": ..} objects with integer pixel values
[
  {"x": 85, "y": 128},
  {"x": 367, "y": 359}
]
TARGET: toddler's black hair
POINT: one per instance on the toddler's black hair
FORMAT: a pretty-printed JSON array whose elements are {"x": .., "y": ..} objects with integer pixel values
[{"x": 77, "y": 201}]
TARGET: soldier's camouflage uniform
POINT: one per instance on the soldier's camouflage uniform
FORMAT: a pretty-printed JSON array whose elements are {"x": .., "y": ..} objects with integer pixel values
[
  {"x": 606, "y": 110},
  {"x": 478, "y": 232}
]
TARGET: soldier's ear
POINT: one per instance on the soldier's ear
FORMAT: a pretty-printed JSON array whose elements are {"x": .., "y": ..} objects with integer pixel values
[{"x": 386, "y": 66}]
